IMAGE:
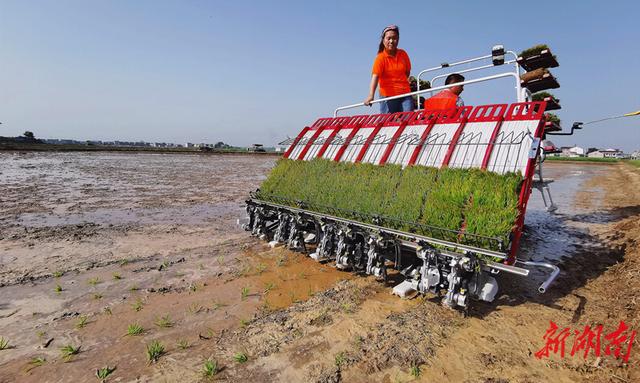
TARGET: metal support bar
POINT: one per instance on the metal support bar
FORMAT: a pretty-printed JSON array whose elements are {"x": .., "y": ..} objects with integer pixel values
[
  {"x": 554, "y": 273},
  {"x": 474, "y": 81}
]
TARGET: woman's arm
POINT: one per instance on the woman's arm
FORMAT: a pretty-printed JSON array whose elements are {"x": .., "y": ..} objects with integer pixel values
[{"x": 372, "y": 89}]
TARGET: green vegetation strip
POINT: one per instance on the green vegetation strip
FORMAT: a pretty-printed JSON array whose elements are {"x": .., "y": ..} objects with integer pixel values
[
  {"x": 460, "y": 205},
  {"x": 581, "y": 159}
]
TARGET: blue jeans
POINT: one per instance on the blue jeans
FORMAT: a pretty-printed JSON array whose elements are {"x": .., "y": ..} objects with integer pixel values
[{"x": 404, "y": 104}]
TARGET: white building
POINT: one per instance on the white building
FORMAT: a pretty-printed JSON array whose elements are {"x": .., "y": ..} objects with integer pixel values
[
  {"x": 573, "y": 151},
  {"x": 607, "y": 153}
]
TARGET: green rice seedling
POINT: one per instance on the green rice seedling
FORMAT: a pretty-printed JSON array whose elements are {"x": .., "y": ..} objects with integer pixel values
[
  {"x": 244, "y": 293},
  {"x": 533, "y": 51},
  {"x": 97, "y": 296},
  {"x": 124, "y": 262},
  {"x": 135, "y": 329},
  {"x": 244, "y": 323},
  {"x": 4, "y": 343},
  {"x": 210, "y": 368},
  {"x": 40, "y": 334},
  {"x": 183, "y": 344},
  {"x": 221, "y": 259},
  {"x": 134, "y": 288},
  {"x": 540, "y": 96},
  {"x": 69, "y": 351},
  {"x": 93, "y": 281},
  {"x": 36, "y": 362},
  {"x": 415, "y": 371},
  {"x": 240, "y": 357},
  {"x": 281, "y": 260},
  {"x": 164, "y": 265},
  {"x": 104, "y": 372},
  {"x": 58, "y": 274},
  {"x": 155, "y": 350},
  {"x": 260, "y": 268},
  {"x": 107, "y": 310},
  {"x": 137, "y": 305},
  {"x": 217, "y": 305},
  {"x": 339, "y": 359},
  {"x": 552, "y": 117},
  {"x": 58, "y": 289},
  {"x": 195, "y": 308},
  {"x": 83, "y": 320},
  {"x": 164, "y": 322},
  {"x": 117, "y": 276},
  {"x": 269, "y": 286}
]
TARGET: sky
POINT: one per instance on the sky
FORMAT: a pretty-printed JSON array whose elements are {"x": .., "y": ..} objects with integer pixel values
[{"x": 246, "y": 72}]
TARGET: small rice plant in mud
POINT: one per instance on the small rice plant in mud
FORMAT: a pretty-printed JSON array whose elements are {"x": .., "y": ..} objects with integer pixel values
[
  {"x": 124, "y": 262},
  {"x": 69, "y": 351},
  {"x": 183, "y": 344},
  {"x": 137, "y": 306},
  {"x": 195, "y": 308},
  {"x": 58, "y": 274},
  {"x": 40, "y": 334},
  {"x": 58, "y": 289},
  {"x": 155, "y": 350},
  {"x": 93, "y": 281},
  {"x": 240, "y": 357},
  {"x": 107, "y": 310},
  {"x": 415, "y": 371},
  {"x": 97, "y": 296},
  {"x": 116, "y": 276},
  {"x": 244, "y": 323},
  {"x": 135, "y": 329},
  {"x": 269, "y": 286},
  {"x": 36, "y": 361},
  {"x": 210, "y": 368},
  {"x": 164, "y": 322},
  {"x": 134, "y": 288},
  {"x": 244, "y": 293},
  {"x": 260, "y": 268},
  {"x": 4, "y": 344},
  {"x": 339, "y": 359},
  {"x": 104, "y": 372},
  {"x": 217, "y": 305},
  {"x": 221, "y": 260},
  {"x": 83, "y": 320}
]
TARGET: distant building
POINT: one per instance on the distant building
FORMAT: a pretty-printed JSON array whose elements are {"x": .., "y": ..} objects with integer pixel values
[
  {"x": 607, "y": 153},
  {"x": 635, "y": 155},
  {"x": 572, "y": 151},
  {"x": 188, "y": 145}
]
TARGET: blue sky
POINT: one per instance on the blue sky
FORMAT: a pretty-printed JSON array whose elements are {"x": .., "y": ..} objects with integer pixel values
[{"x": 244, "y": 72}]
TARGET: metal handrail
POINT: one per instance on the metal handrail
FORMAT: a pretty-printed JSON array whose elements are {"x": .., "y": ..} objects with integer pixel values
[
  {"x": 519, "y": 95},
  {"x": 482, "y": 79}
]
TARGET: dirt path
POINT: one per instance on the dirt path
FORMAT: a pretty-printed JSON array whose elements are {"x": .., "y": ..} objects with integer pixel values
[{"x": 141, "y": 252}]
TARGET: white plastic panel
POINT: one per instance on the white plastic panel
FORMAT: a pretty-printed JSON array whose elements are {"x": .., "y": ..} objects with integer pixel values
[
  {"x": 472, "y": 145},
  {"x": 351, "y": 153},
  {"x": 379, "y": 145},
  {"x": 407, "y": 142},
  {"x": 436, "y": 145},
  {"x": 301, "y": 144},
  {"x": 336, "y": 143},
  {"x": 317, "y": 144},
  {"x": 511, "y": 150}
]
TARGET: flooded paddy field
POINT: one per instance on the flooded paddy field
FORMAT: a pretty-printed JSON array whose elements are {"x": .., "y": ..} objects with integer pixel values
[{"x": 94, "y": 243}]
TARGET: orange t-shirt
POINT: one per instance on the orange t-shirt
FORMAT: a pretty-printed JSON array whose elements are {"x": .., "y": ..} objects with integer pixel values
[
  {"x": 392, "y": 73},
  {"x": 445, "y": 99}
]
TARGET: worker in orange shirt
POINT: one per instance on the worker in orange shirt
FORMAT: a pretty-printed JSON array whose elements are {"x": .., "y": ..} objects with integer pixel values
[
  {"x": 391, "y": 70},
  {"x": 448, "y": 98}
]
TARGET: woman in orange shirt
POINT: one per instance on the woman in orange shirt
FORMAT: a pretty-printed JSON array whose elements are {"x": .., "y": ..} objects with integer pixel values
[{"x": 391, "y": 70}]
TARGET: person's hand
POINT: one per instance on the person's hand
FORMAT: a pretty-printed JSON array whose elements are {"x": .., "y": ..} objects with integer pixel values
[{"x": 368, "y": 100}]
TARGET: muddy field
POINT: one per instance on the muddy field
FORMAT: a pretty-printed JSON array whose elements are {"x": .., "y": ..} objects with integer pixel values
[{"x": 94, "y": 243}]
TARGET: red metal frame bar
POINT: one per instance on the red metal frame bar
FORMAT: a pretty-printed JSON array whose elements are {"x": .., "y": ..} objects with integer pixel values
[
  {"x": 462, "y": 117},
  {"x": 369, "y": 120},
  {"x": 295, "y": 142},
  {"x": 403, "y": 118},
  {"x": 489, "y": 113},
  {"x": 517, "y": 112},
  {"x": 432, "y": 118}
]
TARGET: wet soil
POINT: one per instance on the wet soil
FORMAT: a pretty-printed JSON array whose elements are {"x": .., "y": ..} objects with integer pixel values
[{"x": 91, "y": 243}]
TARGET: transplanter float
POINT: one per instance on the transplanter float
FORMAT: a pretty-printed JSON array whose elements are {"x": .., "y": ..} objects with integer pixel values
[{"x": 461, "y": 265}]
